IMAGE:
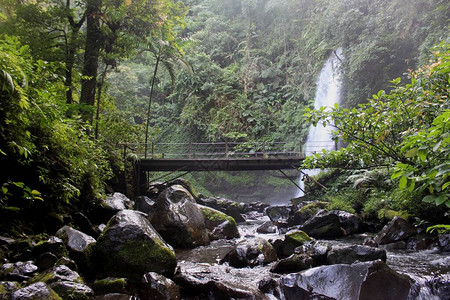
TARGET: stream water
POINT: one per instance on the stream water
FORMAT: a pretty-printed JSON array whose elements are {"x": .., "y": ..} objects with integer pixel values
[
  {"x": 426, "y": 268},
  {"x": 328, "y": 94}
]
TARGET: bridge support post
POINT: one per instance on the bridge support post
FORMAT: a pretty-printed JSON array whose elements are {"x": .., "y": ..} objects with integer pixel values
[{"x": 139, "y": 181}]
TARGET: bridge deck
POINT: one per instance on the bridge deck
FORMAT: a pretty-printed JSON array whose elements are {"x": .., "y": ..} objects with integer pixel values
[{"x": 230, "y": 164}]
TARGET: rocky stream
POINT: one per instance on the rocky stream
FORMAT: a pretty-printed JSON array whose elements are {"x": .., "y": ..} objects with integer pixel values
[{"x": 174, "y": 244}]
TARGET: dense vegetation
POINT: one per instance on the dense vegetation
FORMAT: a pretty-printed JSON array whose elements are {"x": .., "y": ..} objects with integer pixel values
[{"x": 79, "y": 78}]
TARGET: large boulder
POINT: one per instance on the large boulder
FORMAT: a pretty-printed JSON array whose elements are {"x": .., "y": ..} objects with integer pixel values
[
  {"x": 229, "y": 207},
  {"x": 349, "y": 222},
  {"x": 306, "y": 212},
  {"x": 354, "y": 253},
  {"x": 8, "y": 287},
  {"x": 278, "y": 214},
  {"x": 444, "y": 242},
  {"x": 255, "y": 253},
  {"x": 364, "y": 281},
  {"x": 179, "y": 220},
  {"x": 118, "y": 201},
  {"x": 80, "y": 246},
  {"x": 323, "y": 225},
  {"x": 130, "y": 247},
  {"x": 397, "y": 229},
  {"x": 36, "y": 291},
  {"x": 293, "y": 239},
  {"x": 220, "y": 224},
  {"x": 76, "y": 241},
  {"x": 144, "y": 204},
  {"x": 206, "y": 282},
  {"x": 18, "y": 271},
  {"x": 154, "y": 286},
  {"x": 293, "y": 263}
]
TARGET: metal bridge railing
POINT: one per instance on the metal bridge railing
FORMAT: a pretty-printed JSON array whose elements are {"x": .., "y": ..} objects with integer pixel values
[{"x": 224, "y": 150}]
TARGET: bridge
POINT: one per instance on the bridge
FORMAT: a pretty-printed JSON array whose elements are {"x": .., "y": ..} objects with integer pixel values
[{"x": 221, "y": 156}]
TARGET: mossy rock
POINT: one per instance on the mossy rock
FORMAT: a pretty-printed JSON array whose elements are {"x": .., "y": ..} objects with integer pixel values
[
  {"x": 36, "y": 291},
  {"x": 308, "y": 211},
  {"x": 297, "y": 237},
  {"x": 57, "y": 273},
  {"x": 130, "y": 247},
  {"x": 110, "y": 285},
  {"x": 213, "y": 217}
]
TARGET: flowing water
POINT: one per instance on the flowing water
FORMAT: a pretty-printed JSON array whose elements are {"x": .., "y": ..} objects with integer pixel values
[
  {"x": 428, "y": 269},
  {"x": 327, "y": 94}
]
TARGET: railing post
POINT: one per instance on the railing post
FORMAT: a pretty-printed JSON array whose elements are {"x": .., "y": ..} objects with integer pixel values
[
  {"x": 153, "y": 150},
  {"x": 300, "y": 149},
  {"x": 264, "y": 149},
  {"x": 190, "y": 150},
  {"x": 226, "y": 150}
]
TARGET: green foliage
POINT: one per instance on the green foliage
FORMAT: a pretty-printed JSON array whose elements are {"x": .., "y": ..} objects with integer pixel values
[
  {"x": 439, "y": 228},
  {"x": 378, "y": 133}
]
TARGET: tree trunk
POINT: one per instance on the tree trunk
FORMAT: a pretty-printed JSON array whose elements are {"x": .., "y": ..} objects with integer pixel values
[
  {"x": 158, "y": 58},
  {"x": 91, "y": 55}
]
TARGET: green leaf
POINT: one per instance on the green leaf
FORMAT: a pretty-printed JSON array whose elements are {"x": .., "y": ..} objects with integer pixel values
[
  {"x": 412, "y": 152},
  {"x": 403, "y": 182},
  {"x": 440, "y": 199},
  {"x": 4, "y": 190},
  {"x": 396, "y": 174},
  {"x": 445, "y": 185},
  {"x": 423, "y": 154},
  {"x": 429, "y": 199}
]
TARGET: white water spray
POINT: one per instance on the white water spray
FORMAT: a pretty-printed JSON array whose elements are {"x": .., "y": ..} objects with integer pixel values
[{"x": 327, "y": 94}]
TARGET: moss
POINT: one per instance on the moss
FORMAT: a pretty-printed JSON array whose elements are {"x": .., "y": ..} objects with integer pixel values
[
  {"x": 2, "y": 289},
  {"x": 214, "y": 217},
  {"x": 110, "y": 285},
  {"x": 137, "y": 257},
  {"x": 389, "y": 214},
  {"x": 297, "y": 237}
]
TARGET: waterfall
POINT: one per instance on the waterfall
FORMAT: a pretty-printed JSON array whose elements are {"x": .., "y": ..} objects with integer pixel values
[{"x": 327, "y": 94}]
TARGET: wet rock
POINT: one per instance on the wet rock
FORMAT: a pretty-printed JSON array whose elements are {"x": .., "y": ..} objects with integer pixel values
[
  {"x": 117, "y": 201},
  {"x": 144, "y": 204},
  {"x": 36, "y": 291},
  {"x": 323, "y": 225},
  {"x": 179, "y": 220},
  {"x": 110, "y": 285},
  {"x": 370, "y": 242},
  {"x": 8, "y": 287},
  {"x": 19, "y": 271},
  {"x": 354, "y": 253},
  {"x": 292, "y": 240},
  {"x": 75, "y": 240},
  {"x": 4, "y": 240},
  {"x": 220, "y": 224},
  {"x": 225, "y": 230},
  {"x": 130, "y": 247},
  {"x": 267, "y": 227},
  {"x": 306, "y": 212},
  {"x": 204, "y": 283},
  {"x": 58, "y": 273},
  {"x": 65, "y": 261},
  {"x": 268, "y": 285},
  {"x": 72, "y": 290},
  {"x": 46, "y": 260},
  {"x": 83, "y": 223},
  {"x": 256, "y": 207},
  {"x": 253, "y": 215},
  {"x": 366, "y": 280},
  {"x": 157, "y": 287},
  {"x": 422, "y": 242},
  {"x": 444, "y": 242},
  {"x": 80, "y": 246},
  {"x": 278, "y": 214},
  {"x": 349, "y": 222},
  {"x": 186, "y": 185},
  {"x": 396, "y": 230},
  {"x": 54, "y": 245},
  {"x": 400, "y": 245},
  {"x": 229, "y": 207},
  {"x": 234, "y": 211},
  {"x": 254, "y": 253},
  {"x": 317, "y": 250},
  {"x": 293, "y": 263}
]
